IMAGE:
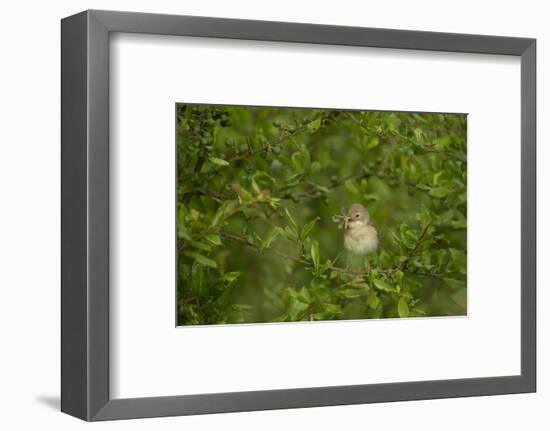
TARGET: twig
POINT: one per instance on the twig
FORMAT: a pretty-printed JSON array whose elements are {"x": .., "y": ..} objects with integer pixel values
[
  {"x": 212, "y": 194},
  {"x": 429, "y": 148},
  {"x": 198, "y": 166},
  {"x": 266, "y": 147},
  {"x": 418, "y": 242},
  {"x": 316, "y": 190},
  {"x": 304, "y": 313},
  {"x": 200, "y": 161},
  {"x": 427, "y": 274},
  {"x": 337, "y": 257},
  {"x": 257, "y": 247},
  {"x": 297, "y": 258}
]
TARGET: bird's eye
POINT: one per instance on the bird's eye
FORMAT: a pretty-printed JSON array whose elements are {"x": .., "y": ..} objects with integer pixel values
[{"x": 356, "y": 215}]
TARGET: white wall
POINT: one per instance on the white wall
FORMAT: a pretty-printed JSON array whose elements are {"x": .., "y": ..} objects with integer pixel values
[{"x": 29, "y": 212}]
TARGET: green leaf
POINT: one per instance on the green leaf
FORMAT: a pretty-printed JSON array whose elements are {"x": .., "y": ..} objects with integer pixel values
[
  {"x": 458, "y": 260},
  {"x": 408, "y": 236},
  {"x": 454, "y": 284},
  {"x": 251, "y": 239},
  {"x": 271, "y": 236},
  {"x": 350, "y": 293},
  {"x": 440, "y": 192},
  {"x": 198, "y": 278},
  {"x": 320, "y": 187},
  {"x": 315, "y": 255},
  {"x": 436, "y": 178},
  {"x": 223, "y": 211},
  {"x": 350, "y": 185},
  {"x": 314, "y": 125},
  {"x": 373, "y": 301},
  {"x": 244, "y": 194},
  {"x": 274, "y": 202},
  {"x": 442, "y": 143},
  {"x": 445, "y": 218},
  {"x": 291, "y": 220},
  {"x": 402, "y": 308},
  {"x": 290, "y": 233},
  {"x": 241, "y": 307},
  {"x": 201, "y": 259},
  {"x": 399, "y": 277},
  {"x": 333, "y": 309},
  {"x": 296, "y": 308},
  {"x": 214, "y": 135},
  {"x": 231, "y": 276},
  {"x": 200, "y": 245},
  {"x": 305, "y": 156},
  {"x": 418, "y": 117},
  {"x": 423, "y": 217},
  {"x": 459, "y": 224},
  {"x": 296, "y": 160},
  {"x": 382, "y": 285},
  {"x": 255, "y": 186},
  {"x": 308, "y": 228},
  {"x": 373, "y": 142},
  {"x": 237, "y": 313},
  {"x": 218, "y": 161},
  {"x": 423, "y": 187},
  {"x": 303, "y": 295},
  {"x": 459, "y": 297},
  {"x": 181, "y": 214},
  {"x": 417, "y": 312},
  {"x": 214, "y": 239},
  {"x": 182, "y": 233}
]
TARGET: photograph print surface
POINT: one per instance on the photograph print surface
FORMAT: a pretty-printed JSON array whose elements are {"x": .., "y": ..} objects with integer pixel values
[{"x": 292, "y": 214}]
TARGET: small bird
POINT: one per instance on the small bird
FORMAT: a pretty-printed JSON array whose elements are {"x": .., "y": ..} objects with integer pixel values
[{"x": 360, "y": 237}]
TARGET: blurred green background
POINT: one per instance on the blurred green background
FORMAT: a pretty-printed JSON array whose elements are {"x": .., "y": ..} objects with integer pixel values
[{"x": 257, "y": 192}]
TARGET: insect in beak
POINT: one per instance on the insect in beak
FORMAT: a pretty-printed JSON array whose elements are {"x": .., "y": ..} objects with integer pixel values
[{"x": 347, "y": 219}]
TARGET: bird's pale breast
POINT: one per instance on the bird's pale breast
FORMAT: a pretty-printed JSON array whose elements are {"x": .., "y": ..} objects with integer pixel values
[{"x": 361, "y": 240}]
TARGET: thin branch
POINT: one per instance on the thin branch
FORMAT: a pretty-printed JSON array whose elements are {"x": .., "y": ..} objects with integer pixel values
[
  {"x": 212, "y": 194},
  {"x": 361, "y": 125},
  {"x": 427, "y": 274},
  {"x": 299, "y": 259},
  {"x": 315, "y": 190},
  {"x": 257, "y": 247},
  {"x": 388, "y": 271},
  {"x": 305, "y": 313},
  {"x": 198, "y": 166},
  {"x": 268, "y": 146},
  {"x": 415, "y": 248},
  {"x": 429, "y": 147}
]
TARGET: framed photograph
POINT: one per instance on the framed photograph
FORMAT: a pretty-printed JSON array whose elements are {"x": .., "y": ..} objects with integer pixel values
[
  {"x": 292, "y": 215},
  {"x": 263, "y": 215}
]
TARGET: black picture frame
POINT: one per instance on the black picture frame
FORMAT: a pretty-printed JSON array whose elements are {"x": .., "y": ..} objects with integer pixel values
[{"x": 85, "y": 214}]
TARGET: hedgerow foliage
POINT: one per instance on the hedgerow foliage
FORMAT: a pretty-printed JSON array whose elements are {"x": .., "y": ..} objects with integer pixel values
[{"x": 257, "y": 192}]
